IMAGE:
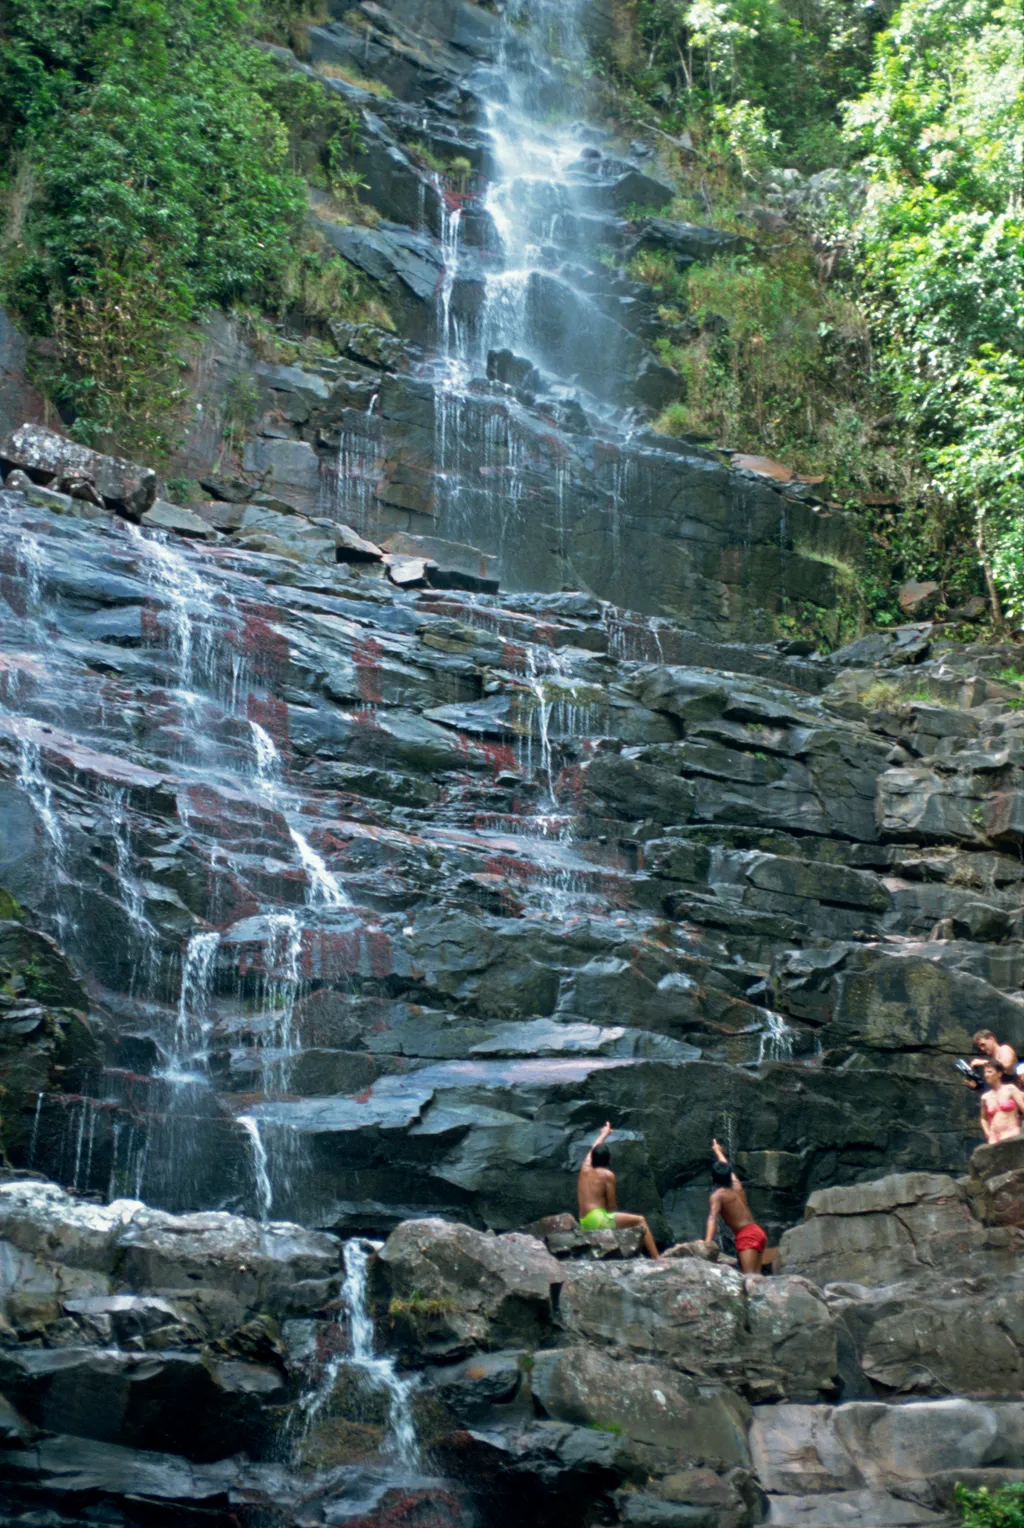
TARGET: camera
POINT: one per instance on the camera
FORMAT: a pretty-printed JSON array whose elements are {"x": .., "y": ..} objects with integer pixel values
[{"x": 966, "y": 1070}]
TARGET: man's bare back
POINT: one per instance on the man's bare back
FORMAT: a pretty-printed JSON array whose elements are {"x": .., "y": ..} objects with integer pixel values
[
  {"x": 729, "y": 1201},
  {"x": 595, "y": 1195},
  {"x": 731, "y": 1204}
]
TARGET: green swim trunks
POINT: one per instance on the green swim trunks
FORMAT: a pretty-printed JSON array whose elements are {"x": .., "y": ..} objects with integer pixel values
[{"x": 598, "y": 1220}]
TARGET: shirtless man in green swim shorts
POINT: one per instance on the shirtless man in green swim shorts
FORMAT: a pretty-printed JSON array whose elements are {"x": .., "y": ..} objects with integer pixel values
[{"x": 595, "y": 1193}]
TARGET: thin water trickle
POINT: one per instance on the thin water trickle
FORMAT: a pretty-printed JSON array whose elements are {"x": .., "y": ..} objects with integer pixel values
[
  {"x": 192, "y": 1031},
  {"x": 402, "y": 1442},
  {"x": 324, "y": 889},
  {"x": 34, "y": 783},
  {"x": 776, "y": 1039},
  {"x": 37, "y": 1116},
  {"x": 260, "y": 1166},
  {"x": 268, "y": 760}
]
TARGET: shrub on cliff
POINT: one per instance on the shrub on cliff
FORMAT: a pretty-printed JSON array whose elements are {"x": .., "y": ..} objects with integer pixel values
[
  {"x": 151, "y": 175},
  {"x": 941, "y": 253},
  {"x": 1000, "y": 1509}
]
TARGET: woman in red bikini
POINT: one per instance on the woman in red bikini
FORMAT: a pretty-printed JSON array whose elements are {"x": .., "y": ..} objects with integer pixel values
[
  {"x": 729, "y": 1201},
  {"x": 1002, "y": 1107}
]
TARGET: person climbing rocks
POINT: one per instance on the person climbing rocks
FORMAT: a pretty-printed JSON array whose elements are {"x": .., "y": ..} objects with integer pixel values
[
  {"x": 595, "y": 1196},
  {"x": 729, "y": 1200},
  {"x": 989, "y": 1049},
  {"x": 1002, "y": 1107}
]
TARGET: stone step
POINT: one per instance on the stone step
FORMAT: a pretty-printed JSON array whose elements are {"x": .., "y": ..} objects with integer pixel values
[{"x": 850, "y": 1509}]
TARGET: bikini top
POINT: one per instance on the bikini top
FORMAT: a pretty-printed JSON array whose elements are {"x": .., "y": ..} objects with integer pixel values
[{"x": 993, "y": 1107}]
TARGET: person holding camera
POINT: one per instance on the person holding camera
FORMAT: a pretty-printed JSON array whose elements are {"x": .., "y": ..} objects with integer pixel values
[
  {"x": 1002, "y": 1106},
  {"x": 989, "y": 1049}
]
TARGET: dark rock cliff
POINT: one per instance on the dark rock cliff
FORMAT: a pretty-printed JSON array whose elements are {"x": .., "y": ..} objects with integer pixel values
[{"x": 373, "y": 830}]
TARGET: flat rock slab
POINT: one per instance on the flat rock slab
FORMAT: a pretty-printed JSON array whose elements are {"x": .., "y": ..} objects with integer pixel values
[
  {"x": 164, "y": 516},
  {"x": 455, "y": 565},
  {"x": 848, "y": 1509}
]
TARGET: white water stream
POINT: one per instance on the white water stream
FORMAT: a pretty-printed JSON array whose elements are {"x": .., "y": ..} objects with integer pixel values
[{"x": 401, "y": 1442}]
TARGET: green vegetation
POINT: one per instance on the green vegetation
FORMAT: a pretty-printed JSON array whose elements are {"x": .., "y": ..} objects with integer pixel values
[
  {"x": 419, "y": 1305},
  {"x": 869, "y": 335},
  {"x": 154, "y": 167},
  {"x": 999, "y": 1509},
  {"x": 941, "y": 255},
  {"x": 880, "y": 695}
]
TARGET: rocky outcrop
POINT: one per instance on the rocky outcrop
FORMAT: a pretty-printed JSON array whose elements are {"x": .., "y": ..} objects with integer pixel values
[
  {"x": 715, "y": 1397},
  {"x": 500, "y": 409},
  {"x": 59, "y": 463},
  {"x": 157, "y": 1359},
  {"x": 426, "y": 884}
]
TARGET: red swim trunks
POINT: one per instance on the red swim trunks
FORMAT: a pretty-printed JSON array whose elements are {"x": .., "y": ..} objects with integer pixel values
[{"x": 751, "y": 1238}]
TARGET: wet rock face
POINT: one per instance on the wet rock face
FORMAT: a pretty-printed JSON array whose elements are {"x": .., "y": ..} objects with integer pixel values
[
  {"x": 503, "y": 412},
  {"x": 379, "y": 902}
]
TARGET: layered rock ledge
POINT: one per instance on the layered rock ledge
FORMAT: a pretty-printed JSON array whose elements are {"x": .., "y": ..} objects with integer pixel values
[{"x": 199, "y": 1364}]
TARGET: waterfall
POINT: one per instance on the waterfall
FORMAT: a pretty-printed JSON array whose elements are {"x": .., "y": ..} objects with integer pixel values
[
  {"x": 193, "y": 1024},
  {"x": 379, "y": 1369},
  {"x": 260, "y": 1166},
  {"x": 268, "y": 760},
  {"x": 324, "y": 888},
  {"x": 776, "y": 1039}
]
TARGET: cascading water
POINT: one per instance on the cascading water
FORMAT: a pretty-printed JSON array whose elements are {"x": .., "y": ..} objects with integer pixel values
[
  {"x": 193, "y": 1026},
  {"x": 379, "y": 1369},
  {"x": 260, "y": 1167}
]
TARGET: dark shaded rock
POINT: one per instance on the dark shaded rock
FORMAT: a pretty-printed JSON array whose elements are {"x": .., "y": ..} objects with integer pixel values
[
  {"x": 233, "y": 490},
  {"x": 633, "y": 189},
  {"x": 685, "y": 240},
  {"x": 637, "y": 790},
  {"x": 447, "y": 1288},
  {"x": 514, "y": 370}
]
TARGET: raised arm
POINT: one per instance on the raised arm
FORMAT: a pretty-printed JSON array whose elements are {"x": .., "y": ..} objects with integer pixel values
[
  {"x": 720, "y": 1154},
  {"x": 602, "y": 1135},
  {"x": 710, "y": 1228}
]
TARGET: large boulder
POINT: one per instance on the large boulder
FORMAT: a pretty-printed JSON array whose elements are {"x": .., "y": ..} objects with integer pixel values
[
  {"x": 769, "y": 1338},
  {"x": 647, "y": 1403},
  {"x": 446, "y": 1288},
  {"x": 123, "y": 486},
  {"x": 218, "y": 1270},
  {"x": 874, "y": 1233},
  {"x": 995, "y": 1187}
]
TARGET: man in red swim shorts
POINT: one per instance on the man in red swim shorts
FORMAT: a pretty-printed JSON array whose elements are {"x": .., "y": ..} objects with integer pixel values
[{"x": 729, "y": 1201}]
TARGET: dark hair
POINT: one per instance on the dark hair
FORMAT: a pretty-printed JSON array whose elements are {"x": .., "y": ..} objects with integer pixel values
[
  {"x": 721, "y": 1173},
  {"x": 601, "y": 1156}
]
